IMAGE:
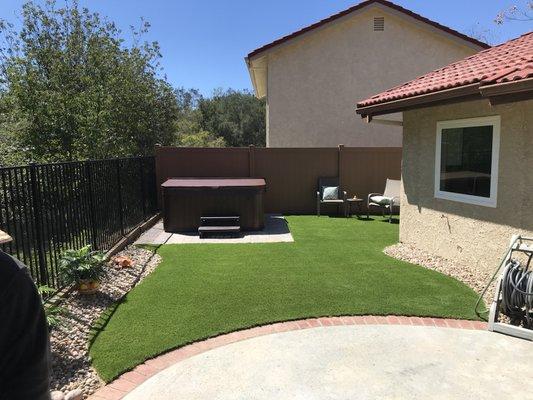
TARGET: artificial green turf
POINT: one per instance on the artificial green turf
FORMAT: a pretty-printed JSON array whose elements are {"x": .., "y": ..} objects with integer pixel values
[{"x": 334, "y": 267}]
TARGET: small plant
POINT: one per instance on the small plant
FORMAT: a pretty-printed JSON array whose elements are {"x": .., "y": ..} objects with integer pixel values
[
  {"x": 52, "y": 312},
  {"x": 83, "y": 268}
]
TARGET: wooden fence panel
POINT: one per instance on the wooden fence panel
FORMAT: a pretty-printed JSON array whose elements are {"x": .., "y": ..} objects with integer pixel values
[
  {"x": 179, "y": 162},
  {"x": 291, "y": 173},
  {"x": 365, "y": 170}
]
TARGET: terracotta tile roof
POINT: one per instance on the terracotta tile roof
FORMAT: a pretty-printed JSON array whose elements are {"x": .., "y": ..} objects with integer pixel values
[
  {"x": 360, "y": 6},
  {"x": 510, "y": 61}
]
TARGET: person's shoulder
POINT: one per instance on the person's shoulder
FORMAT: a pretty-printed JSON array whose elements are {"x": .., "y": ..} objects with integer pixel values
[{"x": 10, "y": 269}]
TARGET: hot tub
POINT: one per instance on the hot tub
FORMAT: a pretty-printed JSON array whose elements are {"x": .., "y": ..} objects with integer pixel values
[{"x": 186, "y": 200}]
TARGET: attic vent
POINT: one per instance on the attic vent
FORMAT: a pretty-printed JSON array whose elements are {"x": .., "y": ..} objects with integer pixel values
[{"x": 379, "y": 24}]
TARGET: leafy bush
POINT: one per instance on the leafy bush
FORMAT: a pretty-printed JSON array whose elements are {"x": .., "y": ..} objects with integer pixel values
[
  {"x": 52, "y": 312},
  {"x": 82, "y": 264},
  {"x": 74, "y": 86}
]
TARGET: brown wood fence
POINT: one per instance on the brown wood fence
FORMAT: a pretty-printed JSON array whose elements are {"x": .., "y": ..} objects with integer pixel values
[{"x": 291, "y": 173}]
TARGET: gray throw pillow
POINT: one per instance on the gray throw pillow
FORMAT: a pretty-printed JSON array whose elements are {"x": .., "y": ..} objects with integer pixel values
[{"x": 330, "y": 193}]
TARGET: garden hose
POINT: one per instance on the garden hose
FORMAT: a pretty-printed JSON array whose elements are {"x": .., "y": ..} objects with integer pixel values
[
  {"x": 483, "y": 313},
  {"x": 517, "y": 293},
  {"x": 516, "y": 286}
]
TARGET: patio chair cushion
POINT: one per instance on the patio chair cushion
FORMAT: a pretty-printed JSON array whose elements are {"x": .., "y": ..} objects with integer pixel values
[
  {"x": 330, "y": 193},
  {"x": 381, "y": 200},
  {"x": 384, "y": 201}
]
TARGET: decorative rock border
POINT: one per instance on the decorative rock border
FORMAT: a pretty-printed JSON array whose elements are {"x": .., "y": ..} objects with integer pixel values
[
  {"x": 71, "y": 366},
  {"x": 130, "y": 380},
  {"x": 468, "y": 273}
]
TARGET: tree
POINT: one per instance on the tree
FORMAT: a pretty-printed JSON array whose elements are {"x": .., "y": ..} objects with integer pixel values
[
  {"x": 11, "y": 126},
  {"x": 187, "y": 125},
  {"x": 187, "y": 117},
  {"x": 481, "y": 33},
  {"x": 236, "y": 116},
  {"x": 229, "y": 117},
  {"x": 516, "y": 13},
  {"x": 75, "y": 90},
  {"x": 199, "y": 139}
]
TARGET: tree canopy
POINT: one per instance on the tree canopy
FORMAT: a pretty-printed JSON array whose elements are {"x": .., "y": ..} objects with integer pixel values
[
  {"x": 238, "y": 117},
  {"x": 227, "y": 118},
  {"x": 72, "y": 87},
  {"x": 75, "y": 89}
]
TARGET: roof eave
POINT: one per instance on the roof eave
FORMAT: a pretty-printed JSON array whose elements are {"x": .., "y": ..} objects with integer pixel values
[
  {"x": 253, "y": 77},
  {"x": 423, "y": 100},
  {"x": 505, "y": 88},
  {"x": 499, "y": 93}
]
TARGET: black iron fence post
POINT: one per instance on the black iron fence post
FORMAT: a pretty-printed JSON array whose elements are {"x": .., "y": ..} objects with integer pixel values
[
  {"x": 143, "y": 192},
  {"x": 38, "y": 213},
  {"x": 88, "y": 174},
  {"x": 51, "y": 207},
  {"x": 120, "y": 198}
]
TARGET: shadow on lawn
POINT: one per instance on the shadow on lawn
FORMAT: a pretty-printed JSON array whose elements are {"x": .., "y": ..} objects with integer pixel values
[
  {"x": 364, "y": 218},
  {"x": 392, "y": 221},
  {"x": 103, "y": 319}
]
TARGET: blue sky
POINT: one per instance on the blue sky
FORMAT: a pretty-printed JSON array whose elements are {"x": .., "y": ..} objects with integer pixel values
[{"x": 204, "y": 41}]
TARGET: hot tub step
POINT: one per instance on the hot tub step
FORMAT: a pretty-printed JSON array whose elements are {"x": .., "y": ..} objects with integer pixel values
[
  {"x": 220, "y": 221},
  {"x": 226, "y": 229}
]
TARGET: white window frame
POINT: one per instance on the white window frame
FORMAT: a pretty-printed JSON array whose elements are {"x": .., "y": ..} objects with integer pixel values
[{"x": 493, "y": 121}]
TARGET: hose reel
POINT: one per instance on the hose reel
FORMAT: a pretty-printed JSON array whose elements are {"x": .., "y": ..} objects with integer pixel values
[
  {"x": 517, "y": 293},
  {"x": 511, "y": 311}
]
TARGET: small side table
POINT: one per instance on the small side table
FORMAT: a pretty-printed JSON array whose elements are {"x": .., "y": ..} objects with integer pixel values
[{"x": 358, "y": 202}]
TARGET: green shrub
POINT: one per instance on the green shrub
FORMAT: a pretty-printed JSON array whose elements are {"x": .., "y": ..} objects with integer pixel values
[
  {"x": 52, "y": 312},
  {"x": 81, "y": 264}
]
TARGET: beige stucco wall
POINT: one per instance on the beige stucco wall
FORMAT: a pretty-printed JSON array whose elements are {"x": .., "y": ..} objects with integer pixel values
[
  {"x": 315, "y": 81},
  {"x": 465, "y": 232}
]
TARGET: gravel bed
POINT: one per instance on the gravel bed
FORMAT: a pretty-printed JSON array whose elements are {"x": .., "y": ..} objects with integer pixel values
[
  {"x": 474, "y": 277},
  {"x": 71, "y": 366}
]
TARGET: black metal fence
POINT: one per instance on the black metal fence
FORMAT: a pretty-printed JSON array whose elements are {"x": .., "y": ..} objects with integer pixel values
[{"x": 48, "y": 208}]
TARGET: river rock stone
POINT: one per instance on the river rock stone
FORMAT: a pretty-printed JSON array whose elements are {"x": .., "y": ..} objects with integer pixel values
[
  {"x": 57, "y": 395},
  {"x": 75, "y": 394},
  {"x": 470, "y": 274},
  {"x": 71, "y": 366}
]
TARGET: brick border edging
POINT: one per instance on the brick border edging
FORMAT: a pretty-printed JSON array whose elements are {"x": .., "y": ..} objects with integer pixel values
[{"x": 130, "y": 380}]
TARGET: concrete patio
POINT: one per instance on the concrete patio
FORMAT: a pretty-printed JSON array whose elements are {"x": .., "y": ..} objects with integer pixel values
[
  {"x": 353, "y": 362},
  {"x": 276, "y": 230}
]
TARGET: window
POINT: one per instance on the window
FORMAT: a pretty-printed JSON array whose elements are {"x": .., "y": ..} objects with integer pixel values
[
  {"x": 466, "y": 160},
  {"x": 379, "y": 24}
]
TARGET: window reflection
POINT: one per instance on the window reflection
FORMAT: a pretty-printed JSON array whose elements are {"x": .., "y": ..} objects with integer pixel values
[{"x": 466, "y": 159}]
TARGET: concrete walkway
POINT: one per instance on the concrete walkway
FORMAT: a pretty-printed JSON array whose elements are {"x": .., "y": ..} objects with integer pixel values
[
  {"x": 276, "y": 230},
  {"x": 352, "y": 362}
]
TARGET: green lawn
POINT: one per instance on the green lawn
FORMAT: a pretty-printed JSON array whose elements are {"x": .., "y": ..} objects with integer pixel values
[{"x": 334, "y": 267}]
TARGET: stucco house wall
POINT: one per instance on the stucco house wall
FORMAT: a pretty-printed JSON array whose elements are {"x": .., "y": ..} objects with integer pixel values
[
  {"x": 314, "y": 80},
  {"x": 465, "y": 232}
]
